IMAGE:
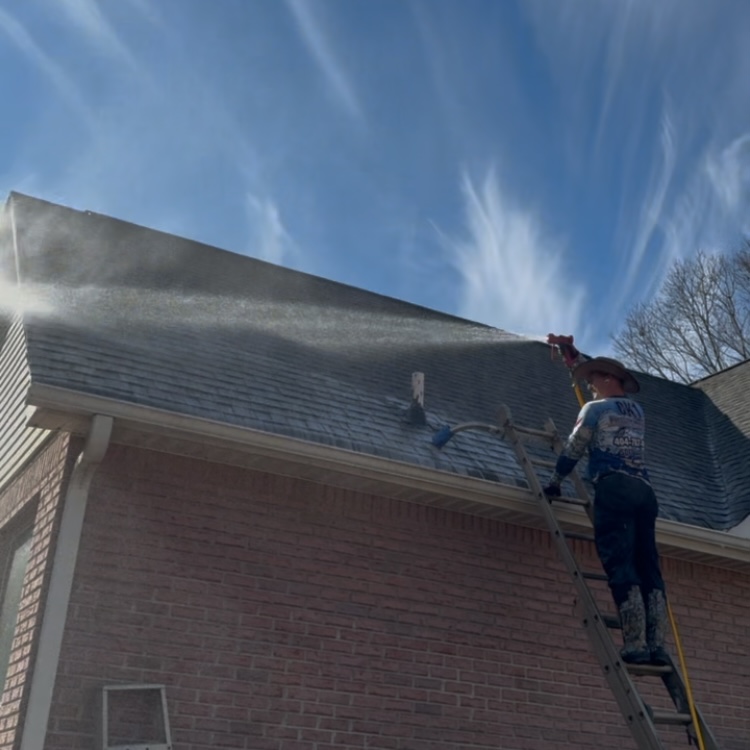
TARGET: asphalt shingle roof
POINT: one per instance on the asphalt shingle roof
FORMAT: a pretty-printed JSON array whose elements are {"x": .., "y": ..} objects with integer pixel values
[
  {"x": 728, "y": 419},
  {"x": 149, "y": 318}
]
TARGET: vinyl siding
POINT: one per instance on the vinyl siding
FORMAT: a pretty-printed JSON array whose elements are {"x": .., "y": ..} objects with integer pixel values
[{"x": 18, "y": 443}]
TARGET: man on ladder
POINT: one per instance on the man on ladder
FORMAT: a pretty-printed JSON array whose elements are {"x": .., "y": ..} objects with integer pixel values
[{"x": 611, "y": 428}]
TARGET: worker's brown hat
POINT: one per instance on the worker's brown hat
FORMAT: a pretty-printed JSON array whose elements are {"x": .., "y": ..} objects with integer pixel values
[{"x": 609, "y": 367}]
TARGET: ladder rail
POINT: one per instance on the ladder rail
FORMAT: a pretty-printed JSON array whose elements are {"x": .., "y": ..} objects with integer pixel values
[
  {"x": 615, "y": 671},
  {"x": 640, "y": 718},
  {"x": 567, "y": 350},
  {"x": 678, "y": 688}
]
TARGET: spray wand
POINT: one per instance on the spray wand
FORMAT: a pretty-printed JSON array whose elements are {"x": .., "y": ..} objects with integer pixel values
[{"x": 567, "y": 351}]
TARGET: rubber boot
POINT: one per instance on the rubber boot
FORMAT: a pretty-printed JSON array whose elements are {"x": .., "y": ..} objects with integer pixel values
[
  {"x": 633, "y": 619},
  {"x": 656, "y": 627}
]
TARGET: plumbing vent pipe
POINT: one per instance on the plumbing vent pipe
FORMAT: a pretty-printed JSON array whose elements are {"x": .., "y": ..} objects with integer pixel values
[{"x": 416, "y": 414}]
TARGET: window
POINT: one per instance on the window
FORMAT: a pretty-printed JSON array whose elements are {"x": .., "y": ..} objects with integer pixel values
[{"x": 14, "y": 558}]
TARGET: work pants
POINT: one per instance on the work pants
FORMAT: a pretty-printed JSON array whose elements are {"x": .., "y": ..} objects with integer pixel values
[{"x": 625, "y": 510}]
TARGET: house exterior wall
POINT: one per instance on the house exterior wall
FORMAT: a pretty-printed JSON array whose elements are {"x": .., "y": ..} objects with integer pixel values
[
  {"x": 35, "y": 497},
  {"x": 285, "y": 615}
]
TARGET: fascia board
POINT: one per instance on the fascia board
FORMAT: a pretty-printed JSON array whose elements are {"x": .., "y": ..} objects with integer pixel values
[
  {"x": 59, "y": 408},
  {"x": 62, "y": 409}
]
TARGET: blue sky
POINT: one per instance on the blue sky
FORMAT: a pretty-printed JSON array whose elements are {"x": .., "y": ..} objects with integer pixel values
[{"x": 532, "y": 165}]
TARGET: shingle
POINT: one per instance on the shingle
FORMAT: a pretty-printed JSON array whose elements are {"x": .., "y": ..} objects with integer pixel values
[{"x": 156, "y": 320}]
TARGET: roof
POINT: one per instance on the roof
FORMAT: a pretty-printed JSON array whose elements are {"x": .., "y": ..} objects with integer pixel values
[
  {"x": 728, "y": 419},
  {"x": 152, "y": 319}
]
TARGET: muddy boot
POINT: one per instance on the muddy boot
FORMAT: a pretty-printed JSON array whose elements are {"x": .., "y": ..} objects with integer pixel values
[
  {"x": 633, "y": 619},
  {"x": 656, "y": 627}
]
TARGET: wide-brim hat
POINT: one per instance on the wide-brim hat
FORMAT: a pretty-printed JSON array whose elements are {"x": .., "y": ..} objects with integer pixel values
[{"x": 610, "y": 367}]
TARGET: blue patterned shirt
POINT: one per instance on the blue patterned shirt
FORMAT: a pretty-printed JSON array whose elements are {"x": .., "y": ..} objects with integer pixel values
[{"x": 612, "y": 429}]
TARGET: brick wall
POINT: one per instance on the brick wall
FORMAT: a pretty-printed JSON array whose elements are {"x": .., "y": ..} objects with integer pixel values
[
  {"x": 283, "y": 615},
  {"x": 35, "y": 495}
]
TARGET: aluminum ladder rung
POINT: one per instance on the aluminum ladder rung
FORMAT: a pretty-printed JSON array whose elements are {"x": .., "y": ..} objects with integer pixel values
[
  {"x": 671, "y": 718},
  {"x": 543, "y": 463},
  {"x": 612, "y": 622},
  {"x": 648, "y": 670},
  {"x": 545, "y": 435},
  {"x": 591, "y": 576},
  {"x": 571, "y": 501}
]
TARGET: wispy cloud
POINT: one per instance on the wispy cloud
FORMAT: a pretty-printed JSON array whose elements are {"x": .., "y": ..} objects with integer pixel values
[
  {"x": 63, "y": 85},
  {"x": 270, "y": 239},
  {"x": 686, "y": 183},
  {"x": 87, "y": 16},
  {"x": 728, "y": 170},
  {"x": 652, "y": 214},
  {"x": 707, "y": 211},
  {"x": 322, "y": 52},
  {"x": 157, "y": 127},
  {"x": 513, "y": 275},
  {"x": 711, "y": 211}
]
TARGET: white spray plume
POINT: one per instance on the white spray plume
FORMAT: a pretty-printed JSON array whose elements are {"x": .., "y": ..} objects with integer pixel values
[{"x": 16, "y": 299}]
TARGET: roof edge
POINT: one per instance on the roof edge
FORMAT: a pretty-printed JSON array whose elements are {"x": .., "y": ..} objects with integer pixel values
[
  {"x": 719, "y": 373},
  {"x": 56, "y": 408}
]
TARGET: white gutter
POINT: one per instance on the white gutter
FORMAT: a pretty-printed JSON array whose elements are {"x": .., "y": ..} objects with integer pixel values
[
  {"x": 60, "y": 408},
  {"x": 61, "y": 582}
]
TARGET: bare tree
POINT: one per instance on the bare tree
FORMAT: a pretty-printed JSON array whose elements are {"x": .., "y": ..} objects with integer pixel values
[{"x": 698, "y": 324}]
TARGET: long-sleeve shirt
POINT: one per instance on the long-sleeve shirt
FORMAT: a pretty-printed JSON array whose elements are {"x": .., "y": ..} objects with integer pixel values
[{"x": 612, "y": 429}]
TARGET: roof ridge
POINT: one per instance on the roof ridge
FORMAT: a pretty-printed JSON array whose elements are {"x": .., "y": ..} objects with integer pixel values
[{"x": 721, "y": 372}]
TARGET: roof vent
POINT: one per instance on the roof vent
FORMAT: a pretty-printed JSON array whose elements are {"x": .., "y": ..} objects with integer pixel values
[{"x": 415, "y": 415}]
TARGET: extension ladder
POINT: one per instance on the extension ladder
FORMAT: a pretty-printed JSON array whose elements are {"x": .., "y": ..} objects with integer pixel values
[{"x": 640, "y": 718}]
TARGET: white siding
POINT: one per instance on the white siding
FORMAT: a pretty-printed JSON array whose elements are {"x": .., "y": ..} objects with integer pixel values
[{"x": 18, "y": 443}]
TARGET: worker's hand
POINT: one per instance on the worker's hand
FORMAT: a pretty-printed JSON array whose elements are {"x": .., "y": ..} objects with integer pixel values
[{"x": 552, "y": 490}]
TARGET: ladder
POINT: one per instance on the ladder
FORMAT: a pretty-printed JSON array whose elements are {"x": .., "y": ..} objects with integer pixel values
[{"x": 640, "y": 718}]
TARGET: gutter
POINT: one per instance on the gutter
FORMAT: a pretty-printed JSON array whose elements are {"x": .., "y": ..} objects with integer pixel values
[
  {"x": 60, "y": 408},
  {"x": 61, "y": 583}
]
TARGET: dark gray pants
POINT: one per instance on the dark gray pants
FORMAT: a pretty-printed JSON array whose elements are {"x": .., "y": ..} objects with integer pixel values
[{"x": 625, "y": 510}]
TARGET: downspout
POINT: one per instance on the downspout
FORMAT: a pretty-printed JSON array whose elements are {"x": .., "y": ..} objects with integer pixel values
[{"x": 61, "y": 582}]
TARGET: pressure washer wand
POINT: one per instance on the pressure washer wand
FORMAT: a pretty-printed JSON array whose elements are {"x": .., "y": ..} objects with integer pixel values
[{"x": 570, "y": 356}]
